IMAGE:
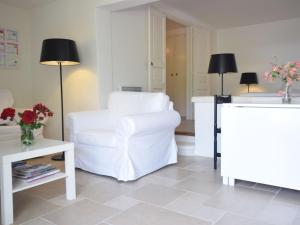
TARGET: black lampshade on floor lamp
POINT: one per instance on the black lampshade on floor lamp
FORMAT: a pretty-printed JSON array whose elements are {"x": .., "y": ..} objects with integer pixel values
[
  {"x": 248, "y": 78},
  {"x": 222, "y": 63},
  {"x": 59, "y": 52}
]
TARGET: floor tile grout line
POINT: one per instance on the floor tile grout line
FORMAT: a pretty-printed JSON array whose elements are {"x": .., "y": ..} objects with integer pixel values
[
  {"x": 112, "y": 216},
  {"x": 49, "y": 212},
  {"x": 173, "y": 211},
  {"x": 157, "y": 206},
  {"x": 249, "y": 188},
  {"x": 48, "y": 221},
  {"x": 35, "y": 218},
  {"x": 162, "y": 207},
  {"x": 62, "y": 207},
  {"x": 190, "y": 215},
  {"x": 186, "y": 193}
]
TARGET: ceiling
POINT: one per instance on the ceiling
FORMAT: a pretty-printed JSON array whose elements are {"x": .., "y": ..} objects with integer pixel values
[
  {"x": 233, "y": 13},
  {"x": 219, "y": 14},
  {"x": 25, "y": 4}
]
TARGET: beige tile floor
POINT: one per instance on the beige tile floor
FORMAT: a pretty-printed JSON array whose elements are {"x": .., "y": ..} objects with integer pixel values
[{"x": 188, "y": 193}]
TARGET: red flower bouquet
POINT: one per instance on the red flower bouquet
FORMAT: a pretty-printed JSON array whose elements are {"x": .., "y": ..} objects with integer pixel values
[
  {"x": 8, "y": 113},
  {"x": 29, "y": 120}
]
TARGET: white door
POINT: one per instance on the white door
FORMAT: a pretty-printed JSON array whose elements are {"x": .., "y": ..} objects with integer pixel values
[
  {"x": 156, "y": 51},
  {"x": 176, "y": 71},
  {"x": 200, "y": 55}
]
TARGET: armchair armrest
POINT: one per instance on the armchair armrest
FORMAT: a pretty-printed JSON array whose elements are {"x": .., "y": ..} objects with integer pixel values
[
  {"x": 149, "y": 122},
  {"x": 86, "y": 120}
]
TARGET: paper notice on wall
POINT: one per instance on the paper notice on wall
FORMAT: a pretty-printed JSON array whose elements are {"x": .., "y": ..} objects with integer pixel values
[
  {"x": 9, "y": 48},
  {"x": 2, "y": 60},
  {"x": 2, "y": 54},
  {"x": 11, "y": 60},
  {"x": 11, "y": 35},
  {"x": 2, "y": 36},
  {"x": 2, "y": 48}
]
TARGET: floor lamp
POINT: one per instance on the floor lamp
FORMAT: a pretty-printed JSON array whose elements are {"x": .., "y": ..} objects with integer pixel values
[
  {"x": 59, "y": 52},
  {"x": 222, "y": 63}
]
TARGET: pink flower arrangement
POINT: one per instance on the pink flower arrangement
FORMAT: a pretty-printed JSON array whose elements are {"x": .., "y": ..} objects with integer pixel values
[{"x": 288, "y": 73}]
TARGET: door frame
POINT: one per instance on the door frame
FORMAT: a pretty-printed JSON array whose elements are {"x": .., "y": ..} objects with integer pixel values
[
  {"x": 150, "y": 60},
  {"x": 103, "y": 27},
  {"x": 189, "y": 73},
  {"x": 104, "y": 51}
]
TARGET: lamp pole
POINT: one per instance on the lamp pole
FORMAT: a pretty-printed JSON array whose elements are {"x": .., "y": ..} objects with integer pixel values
[
  {"x": 61, "y": 103},
  {"x": 222, "y": 94},
  {"x": 61, "y": 157}
]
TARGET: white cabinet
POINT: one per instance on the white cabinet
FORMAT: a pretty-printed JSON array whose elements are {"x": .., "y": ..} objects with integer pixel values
[{"x": 259, "y": 144}]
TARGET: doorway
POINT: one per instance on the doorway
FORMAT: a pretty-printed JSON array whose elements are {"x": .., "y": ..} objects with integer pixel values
[
  {"x": 177, "y": 73},
  {"x": 176, "y": 65}
]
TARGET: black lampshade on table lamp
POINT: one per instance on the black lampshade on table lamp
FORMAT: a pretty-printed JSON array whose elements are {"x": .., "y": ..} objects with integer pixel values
[
  {"x": 222, "y": 63},
  {"x": 249, "y": 78},
  {"x": 59, "y": 52}
]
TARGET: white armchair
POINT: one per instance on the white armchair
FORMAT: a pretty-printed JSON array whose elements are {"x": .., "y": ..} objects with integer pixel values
[{"x": 133, "y": 137}]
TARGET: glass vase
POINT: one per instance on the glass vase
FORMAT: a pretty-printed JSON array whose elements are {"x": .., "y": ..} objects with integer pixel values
[
  {"x": 27, "y": 137},
  {"x": 286, "y": 98}
]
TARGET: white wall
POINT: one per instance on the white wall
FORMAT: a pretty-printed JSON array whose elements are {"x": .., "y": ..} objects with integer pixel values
[
  {"x": 254, "y": 46},
  {"x": 18, "y": 80},
  {"x": 85, "y": 86},
  {"x": 130, "y": 48},
  {"x": 74, "y": 19}
]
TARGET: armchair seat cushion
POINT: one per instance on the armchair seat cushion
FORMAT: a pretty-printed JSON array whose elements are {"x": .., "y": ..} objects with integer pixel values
[{"x": 100, "y": 137}]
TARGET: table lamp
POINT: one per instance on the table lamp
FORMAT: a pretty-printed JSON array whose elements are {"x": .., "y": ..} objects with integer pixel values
[
  {"x": 249, "y": 78},
  {"x": 222, "y": 63}
]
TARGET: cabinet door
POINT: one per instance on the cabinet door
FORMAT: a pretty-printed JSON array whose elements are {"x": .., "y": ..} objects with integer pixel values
[
  {"x": 156, "y": 53},
  {"x": 201, "y": 55},
  {"x": 180, "y": 74},
  {"x": 170, "y": 69},
  {"x": 176, "y": 71}
]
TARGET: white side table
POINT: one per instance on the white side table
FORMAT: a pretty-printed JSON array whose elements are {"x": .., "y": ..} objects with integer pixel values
[{"x": 12, "y": 151}]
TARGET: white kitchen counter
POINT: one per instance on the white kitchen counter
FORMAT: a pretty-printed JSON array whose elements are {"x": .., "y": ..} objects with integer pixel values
[{"x": 204, "y": 129}]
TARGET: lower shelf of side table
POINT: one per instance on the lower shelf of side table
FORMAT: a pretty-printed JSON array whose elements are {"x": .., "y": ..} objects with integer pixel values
[{"x": 20, "y": 185}]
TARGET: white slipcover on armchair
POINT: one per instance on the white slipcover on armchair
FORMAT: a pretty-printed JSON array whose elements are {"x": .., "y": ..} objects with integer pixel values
[{"x": 133, "y": 137}]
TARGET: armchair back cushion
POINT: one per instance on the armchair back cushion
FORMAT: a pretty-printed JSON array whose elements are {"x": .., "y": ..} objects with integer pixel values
[{"x": 128, "y": 103}]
